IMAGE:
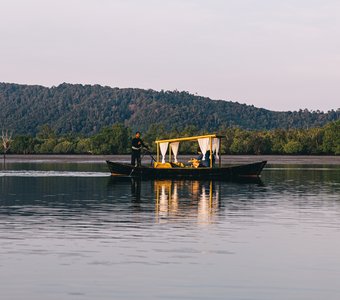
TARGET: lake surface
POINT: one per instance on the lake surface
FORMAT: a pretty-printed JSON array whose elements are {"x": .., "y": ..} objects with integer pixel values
[{"x": 70, "y": 231}]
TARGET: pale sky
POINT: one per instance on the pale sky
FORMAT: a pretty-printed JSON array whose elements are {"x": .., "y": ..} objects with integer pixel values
[{"x": 280, "y": 55}]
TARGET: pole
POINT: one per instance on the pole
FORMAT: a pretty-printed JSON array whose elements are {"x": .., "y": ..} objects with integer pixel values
[
  {"x": 211, "y": 162},
  {"x": 219, "y": 154}
]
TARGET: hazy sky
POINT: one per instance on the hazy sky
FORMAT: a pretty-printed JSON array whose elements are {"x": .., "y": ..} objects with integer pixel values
[{"x": 281, "y": 55}]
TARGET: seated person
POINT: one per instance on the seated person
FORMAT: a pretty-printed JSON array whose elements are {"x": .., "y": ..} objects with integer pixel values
[
  {"x": 206, "y": 161},
  {"x": 195, "y": 163}
]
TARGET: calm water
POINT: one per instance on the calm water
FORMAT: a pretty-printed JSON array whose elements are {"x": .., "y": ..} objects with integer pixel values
[{"x": 69, "y": 231}]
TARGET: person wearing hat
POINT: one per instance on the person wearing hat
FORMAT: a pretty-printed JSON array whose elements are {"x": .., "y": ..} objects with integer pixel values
[{"x": 137, "y": 145}]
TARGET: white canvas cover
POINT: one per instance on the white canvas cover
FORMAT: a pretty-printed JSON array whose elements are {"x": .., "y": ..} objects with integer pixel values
[
  {"x": 164, "y": 149},
  {"x": 174, "y": 147},
  {"x": 216, "y": 146},
  {"x": 204, "y": 146}
]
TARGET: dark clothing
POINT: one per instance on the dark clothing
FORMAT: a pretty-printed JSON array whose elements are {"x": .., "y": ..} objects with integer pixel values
[
  {"x": 206, "y": 161},
  {"x": 137, "y": 145},
  {"x": 135, "y": 155}
]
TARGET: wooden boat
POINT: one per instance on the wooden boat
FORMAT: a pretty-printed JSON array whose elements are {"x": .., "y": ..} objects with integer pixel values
[{"x": 170, "y": 169}]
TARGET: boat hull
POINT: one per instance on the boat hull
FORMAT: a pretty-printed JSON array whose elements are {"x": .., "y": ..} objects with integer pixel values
[{"x": 239, "y": 171}]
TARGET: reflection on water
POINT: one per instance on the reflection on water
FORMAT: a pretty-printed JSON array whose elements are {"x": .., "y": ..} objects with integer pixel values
[
  {"x": 97, "y": 237},
  {"x": 197, "y": 198}
]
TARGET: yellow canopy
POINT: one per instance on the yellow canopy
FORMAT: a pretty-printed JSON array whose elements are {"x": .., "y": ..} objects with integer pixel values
[{"x": 190, "y": 138}]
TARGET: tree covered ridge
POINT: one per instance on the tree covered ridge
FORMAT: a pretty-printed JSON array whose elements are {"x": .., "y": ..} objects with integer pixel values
[{"x": 86, "y": 109}]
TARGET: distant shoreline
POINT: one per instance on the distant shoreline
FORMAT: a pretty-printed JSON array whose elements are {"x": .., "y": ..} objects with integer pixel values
[{"x": 226, "y": 159}]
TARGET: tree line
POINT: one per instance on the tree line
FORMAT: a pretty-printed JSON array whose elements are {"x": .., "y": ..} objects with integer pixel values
[
  {"x": 86, "y": 109},
  {"x": 116, "y": 139}
]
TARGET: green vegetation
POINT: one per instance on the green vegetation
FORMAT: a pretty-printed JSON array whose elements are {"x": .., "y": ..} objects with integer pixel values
[
  {"x": 78, "y": 119},
  {"x": 116, "y": 139},
  {"x": 85, "y": 110}
]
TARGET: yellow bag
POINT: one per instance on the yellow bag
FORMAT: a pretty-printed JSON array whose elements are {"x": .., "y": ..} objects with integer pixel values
[{"x": 159, "y": 165}]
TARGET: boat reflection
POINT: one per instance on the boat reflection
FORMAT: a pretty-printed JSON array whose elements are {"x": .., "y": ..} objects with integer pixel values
[{"x": 174, "y": 199}]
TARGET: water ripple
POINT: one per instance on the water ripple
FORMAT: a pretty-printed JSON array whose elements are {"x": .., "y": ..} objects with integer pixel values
[
  {"x": 72, "y": 234},
  {"x": 30, "y": 173}
]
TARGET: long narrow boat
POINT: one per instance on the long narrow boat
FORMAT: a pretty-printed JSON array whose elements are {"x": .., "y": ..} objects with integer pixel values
[{"x": 173, "y": 169}]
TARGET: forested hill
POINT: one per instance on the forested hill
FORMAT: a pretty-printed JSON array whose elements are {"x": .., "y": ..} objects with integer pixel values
[{"x": 86, "y": 109}]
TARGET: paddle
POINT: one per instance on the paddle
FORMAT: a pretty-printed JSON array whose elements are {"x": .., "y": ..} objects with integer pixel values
[{"x": 147, "y": 151}]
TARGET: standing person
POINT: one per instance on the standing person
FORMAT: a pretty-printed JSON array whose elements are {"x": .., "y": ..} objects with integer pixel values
[{"x": 137, "y": 145}]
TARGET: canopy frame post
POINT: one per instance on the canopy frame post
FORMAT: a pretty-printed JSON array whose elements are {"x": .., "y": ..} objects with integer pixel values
[
  {"x": 157, "y": 152},
  {"x": 210, "y": 156},
  {"x": 170, "y": 152},
  {"x": 219, "y": 153}
]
